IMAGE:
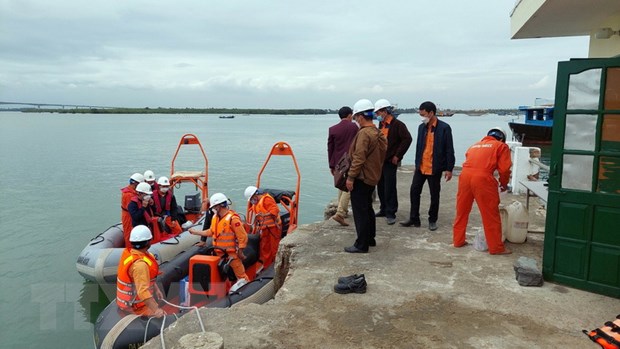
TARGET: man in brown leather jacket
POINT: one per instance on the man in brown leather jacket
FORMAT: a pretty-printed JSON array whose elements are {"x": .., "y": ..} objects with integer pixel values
[{"x": 367, "y": 155}]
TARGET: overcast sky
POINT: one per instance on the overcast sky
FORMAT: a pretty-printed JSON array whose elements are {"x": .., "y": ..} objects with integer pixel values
[{"x": 273, "y": 54}]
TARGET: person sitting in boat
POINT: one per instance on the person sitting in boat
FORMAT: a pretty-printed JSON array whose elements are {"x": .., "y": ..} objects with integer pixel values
[
  {"x": 149, "y": 177},
  {"x": 207, "y": 223},
  {"x": 126, "y": 194},
  {"x": 267, "y": 223},
  {"x": 228, "y": 234},
  {"x": 137, "y": 270},
  {"x": 165, "y": 206},
  {"x": 141, "y": 206}
]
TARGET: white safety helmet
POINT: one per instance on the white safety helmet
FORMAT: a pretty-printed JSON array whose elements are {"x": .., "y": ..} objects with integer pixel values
[
  {"x": 498, "y": 133},
  {"x": 144, "y": 188},
  {"x": 382, "y": 103},
  {"x": 362, "y": 105},
  {"x": 249, "y": 192},
  {"x": 149, "y": 176},
  {"x": 140, "y": 233},
  {"x": 218, "y": 199},
  {"x": 163, "y": 181},
  {"x": 137, "y": 177}
]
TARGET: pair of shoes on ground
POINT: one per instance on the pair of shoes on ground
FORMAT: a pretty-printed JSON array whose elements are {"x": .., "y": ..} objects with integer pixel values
[
  {"x": 353, "y": 249},
  {"x": 351, "y": 284},
  {"x": 340, "y": 220}
]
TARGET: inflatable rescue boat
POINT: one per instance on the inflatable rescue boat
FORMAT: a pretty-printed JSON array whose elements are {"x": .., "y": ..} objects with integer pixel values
[
  {"x": 98, "y": 261},
  {"x": 198, "y": 277}
]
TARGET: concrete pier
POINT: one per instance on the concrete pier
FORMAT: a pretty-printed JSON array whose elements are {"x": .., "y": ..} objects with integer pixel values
[{"x": 422, "y": 292}]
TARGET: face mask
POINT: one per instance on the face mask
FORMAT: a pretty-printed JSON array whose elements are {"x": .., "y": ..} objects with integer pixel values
[
  {"x": 253, "y": 201},
  {"x": 425, "y": 120},
  {"x": 379, "y": 118},
  {"x": 146, "y": 197},
  {"x": 214, "y": 211},
  {"x": 164, "y": 190}
]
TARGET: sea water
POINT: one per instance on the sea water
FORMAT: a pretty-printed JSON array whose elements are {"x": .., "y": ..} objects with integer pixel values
[{"x": 60, "y": 180}]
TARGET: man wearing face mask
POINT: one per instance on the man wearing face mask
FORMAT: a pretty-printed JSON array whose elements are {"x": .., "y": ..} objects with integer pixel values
[
  {"x": 165, "y": 206},
  {"x": 267, "y": 223},
  {"x": 398, "y": 142},
  {"x": 141, "y": 206},
  {"x": 127, "y": 194},
  {"x": 228, "y": 234},
  {"x": 367, "y": 155},
  {"x": 434, "y": 158}
]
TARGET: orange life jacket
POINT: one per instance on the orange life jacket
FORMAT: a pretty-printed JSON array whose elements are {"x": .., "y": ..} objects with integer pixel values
[
  {"x": 157, "y": 200},
  {"x": 223, "y": 235},
  {"x": 607, "y": 336},
  {"x": 127, "y": 194},
  {"x": 264, "y": 218},
  {"x": 126, "y": 295}
]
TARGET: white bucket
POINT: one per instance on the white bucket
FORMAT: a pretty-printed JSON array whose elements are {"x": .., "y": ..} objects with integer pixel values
[{"x": 517, "y": 222}]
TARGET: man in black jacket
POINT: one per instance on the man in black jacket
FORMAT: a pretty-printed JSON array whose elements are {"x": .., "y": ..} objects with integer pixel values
[
  {"x": 434, "y": 157},
  {"x": 399, "y": 140}
]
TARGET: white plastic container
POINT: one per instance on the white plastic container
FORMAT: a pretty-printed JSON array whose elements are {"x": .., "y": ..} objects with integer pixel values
[{"x": 517, "y": 222}]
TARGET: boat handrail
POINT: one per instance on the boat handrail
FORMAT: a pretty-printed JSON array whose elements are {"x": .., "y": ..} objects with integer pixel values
[{"x": 540, "y": 164}]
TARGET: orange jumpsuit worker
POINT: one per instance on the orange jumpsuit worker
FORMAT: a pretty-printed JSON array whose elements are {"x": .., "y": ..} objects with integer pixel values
[
  {"x": 477, "y": 182},
  {"x": 137, "y": 271},
  {"x": 229, "y": 234},
  {"x": 126, "y": 194},
  {"x": 267, "y": 222}
]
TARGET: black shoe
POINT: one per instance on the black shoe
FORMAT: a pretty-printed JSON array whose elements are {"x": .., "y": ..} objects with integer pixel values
[
  {"x": 409, "y": 223},
  {"x": 350, "y": 278},
  {"x": 380, "y": 214},
  {"x": 356, "y": 285},
  {"x": 391, "y": 220},
  {"x": 353, "y": 249},
  {"x": 372, "y": 243},
  {"x": 432, "y": 226}
]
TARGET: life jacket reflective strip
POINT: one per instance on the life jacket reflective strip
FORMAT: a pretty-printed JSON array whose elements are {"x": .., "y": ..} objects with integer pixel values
[
  {"x": 157, "y": 201},
  {"x": 126, "y": 296},
  {"x": 223, "y": 235},
  {"x": 265, "y": 218},
  {"x": 607, "y": 336},
  {"x": 147, "y": 216}
]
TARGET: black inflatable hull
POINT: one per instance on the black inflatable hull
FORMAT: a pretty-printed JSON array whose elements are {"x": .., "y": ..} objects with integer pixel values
[{"x": 133, "y": 333}]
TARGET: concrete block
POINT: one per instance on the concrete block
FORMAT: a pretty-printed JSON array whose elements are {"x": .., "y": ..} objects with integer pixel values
[
  {"x": 204, "y": 340},
  {"x": 527, "y": 273}
]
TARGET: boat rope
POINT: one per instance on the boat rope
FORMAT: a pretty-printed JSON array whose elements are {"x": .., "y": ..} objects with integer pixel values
[
  {"x": 163, "y": 324},
  {"x": 171, "y": 243}
]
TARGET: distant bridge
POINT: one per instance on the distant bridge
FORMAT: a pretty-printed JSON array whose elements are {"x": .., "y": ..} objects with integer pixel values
[{"x": 63, "y": 106}]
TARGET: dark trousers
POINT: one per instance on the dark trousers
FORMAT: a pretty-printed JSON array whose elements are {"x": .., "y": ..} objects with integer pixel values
[
  {"x": 386, "y": 188},
  {"x": 434, "y": 184},
  {"x": 363, "y": 214}
]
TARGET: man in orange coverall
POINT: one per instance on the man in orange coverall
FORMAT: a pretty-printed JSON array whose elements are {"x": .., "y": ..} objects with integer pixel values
[
  {"x": 267, "y": 222},
  {"x": 477, "y": 182}
]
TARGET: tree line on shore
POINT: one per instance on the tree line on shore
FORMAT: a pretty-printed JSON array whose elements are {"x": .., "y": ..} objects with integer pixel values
[{"x": 238, "y": 111}]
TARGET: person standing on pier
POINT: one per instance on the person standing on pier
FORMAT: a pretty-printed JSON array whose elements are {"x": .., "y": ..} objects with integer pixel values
[
  {"x": 367, "y": 155},
  {"x": 477, "y": 182},
  {"x": 398, "y": 142},
  {"x": 338, "y": 142},
  {"x": 434, "y": 158}
]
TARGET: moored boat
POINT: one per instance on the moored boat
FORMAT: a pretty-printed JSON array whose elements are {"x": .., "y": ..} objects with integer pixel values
[
  {"x": 537, "y": 126},
  {"x": 197, "y": 277},
  {"x": 98, "y": 261}
]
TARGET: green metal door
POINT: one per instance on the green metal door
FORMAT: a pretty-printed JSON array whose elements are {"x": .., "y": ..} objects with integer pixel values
[{"x": 582, "y": 233}]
